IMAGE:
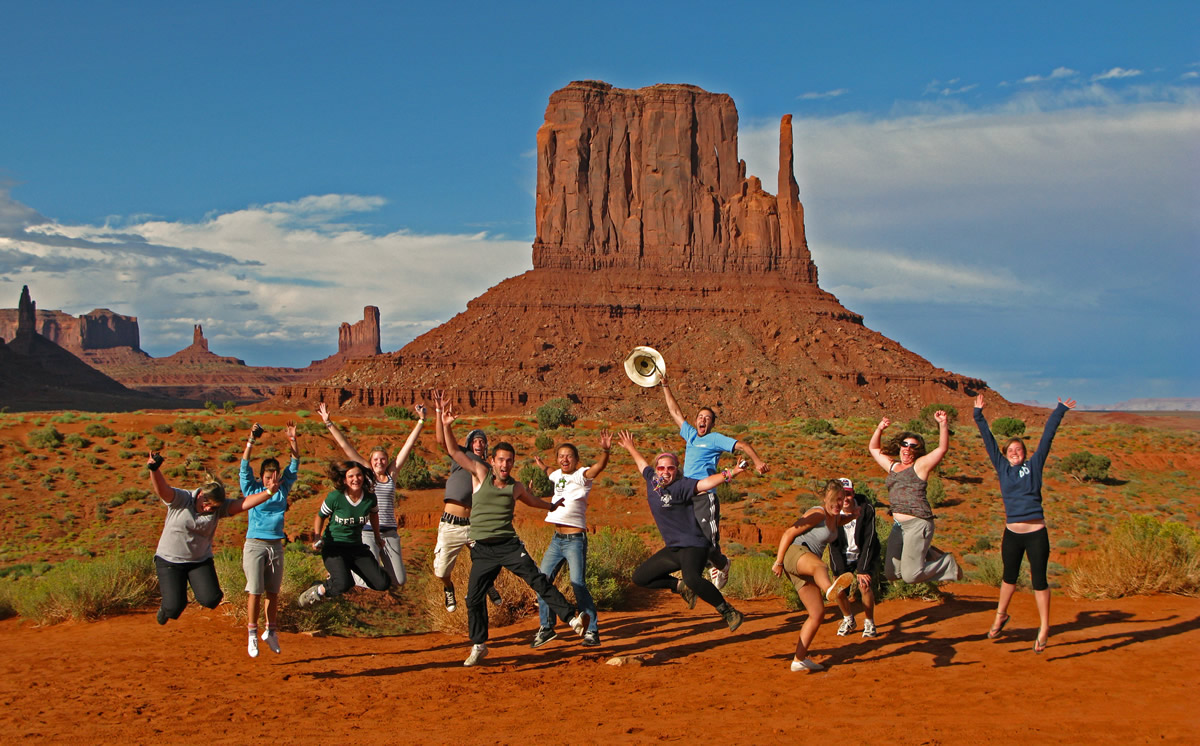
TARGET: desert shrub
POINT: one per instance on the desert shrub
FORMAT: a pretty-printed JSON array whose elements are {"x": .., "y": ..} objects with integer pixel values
[
  {"x": 727, "y": 494},
  {"x": 935, "y": 491},
  {"x": 1008, "y": 427},
  {"x": 554, "y": 414},
  {"x": 76, "y": 441},
  {"x": 211, "y": 406},
  {"x": 624, "y": 490},
  {"x": 1140, "y": 555},
  {"x": 817, "y": 426},
  {"x": 414, "y": 475},
  {"x": 543, "y": 441},
  {"x": 86, "y": 589},
  {"x": 46, "y": 437},
  {"x": 229, "y": 406},
  {"x": 926, "y": 415},
  {"x": 613, "y": 555},
  {"x": 751, "y": 577},
  {"x": 399, "y": 413},
  {"x": 162, "y": 428},
  {"x": 153, "y": 443},
  {"x": 96, "y": 430},
  {"x": 893, "y": 590},
  {"x": 539, "y": 484},
  {"x": 982, "y": 544},
  {"x": 300, "y": 570},
  {"x": 1085, "y": 466}
]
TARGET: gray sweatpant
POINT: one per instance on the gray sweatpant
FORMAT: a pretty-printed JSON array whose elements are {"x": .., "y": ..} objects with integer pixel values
[{"x": 908, "y": 554}]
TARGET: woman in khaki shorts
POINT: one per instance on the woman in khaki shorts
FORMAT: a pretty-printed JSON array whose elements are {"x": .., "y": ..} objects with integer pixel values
[{"x": 799, "y": 558}]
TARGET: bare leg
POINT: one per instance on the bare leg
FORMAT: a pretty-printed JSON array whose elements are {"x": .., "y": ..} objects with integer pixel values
[
  {"x": 814, "y": 604},
  {"x": 272, "y": 608},
  {"x": 252, "y": 609},
  {"x": 868, "y": 602},
  {"x": 843, "y": 603},
  {"x": 1043, "y": 606},
  {"x": 811, "y": 565},
  {"x": 1006, "y": 594}
]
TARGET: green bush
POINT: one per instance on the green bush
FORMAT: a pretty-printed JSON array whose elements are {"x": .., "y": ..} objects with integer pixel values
[
  {"x": 935, "y": 491},
  {"x": 96, "y": 430},
  {"x": 543, "y": 441},
  {"x": 554, "y": 414},
  {"x": 399, "y": 413},
  {"x": 86, "y": 589},
  {"x": 1008, "y": 427},
  {"x": 989, "y": 570},
  {"x": 926, "y": 415},
  {"x": 535, "y": 477},
  {"x": 817, "y": 426},
  {"x": 300, "y": 570},
  {"x": 751, "y": 577},
  {"x": 1085, "y": 466},
  {"x": 46, "y": 437},
  {"x": 414, "y": 475},
  {"x": 728, "y": 495},
  {"x": 229, "y": 406}
]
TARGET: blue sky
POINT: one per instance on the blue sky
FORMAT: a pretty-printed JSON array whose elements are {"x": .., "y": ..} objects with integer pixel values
[{"x": 1010, "y": 191}]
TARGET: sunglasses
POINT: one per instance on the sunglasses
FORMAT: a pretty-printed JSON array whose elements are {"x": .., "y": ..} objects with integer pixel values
[{"x": 910, "y": 444}]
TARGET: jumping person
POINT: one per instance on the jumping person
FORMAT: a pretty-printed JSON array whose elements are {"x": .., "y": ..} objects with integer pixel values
[
  {"x": 494, "y": 543},
  {"x": 855, "y": 549},
  {"x": 910, "y": 552},
  {"x": 702, "y": 451},
  {"x": 1025, "y": 523},
  {"x": 184, "y": 555},
  {"x": 347, "y": 509},
  {"x": 570, "y": 541},
  {"x": 384, "y": 471},
  {"x": 687, "y": 547},
  {"x": 454, "y": 528},
  {"x": 799, "y": 558},
  {"x": 262, "y": 555}
]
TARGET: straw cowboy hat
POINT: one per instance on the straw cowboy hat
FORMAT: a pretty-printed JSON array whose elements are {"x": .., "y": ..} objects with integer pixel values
[{"x": 645, "y": 366}]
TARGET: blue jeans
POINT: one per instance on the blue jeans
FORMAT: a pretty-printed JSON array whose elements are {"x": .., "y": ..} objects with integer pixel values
[{"x": 572, "y": 549}]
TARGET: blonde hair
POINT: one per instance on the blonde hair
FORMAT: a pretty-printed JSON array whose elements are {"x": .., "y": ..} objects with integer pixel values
[{"x": 213, "y": 490}]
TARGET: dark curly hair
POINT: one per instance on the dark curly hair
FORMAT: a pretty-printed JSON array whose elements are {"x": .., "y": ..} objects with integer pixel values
[
  {"x": 892, "y": 448},
  {"x": 337, "y": 474}
]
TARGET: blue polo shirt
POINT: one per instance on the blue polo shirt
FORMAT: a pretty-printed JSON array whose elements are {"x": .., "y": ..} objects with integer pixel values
[{"x": 702, "y": 453}]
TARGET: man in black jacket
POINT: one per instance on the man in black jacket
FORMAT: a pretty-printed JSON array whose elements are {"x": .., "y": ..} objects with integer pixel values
[{"x": 856, "y": 549}]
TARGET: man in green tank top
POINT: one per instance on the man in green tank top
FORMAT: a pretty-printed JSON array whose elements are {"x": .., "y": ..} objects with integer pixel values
[{"x": 494, "y": 543}]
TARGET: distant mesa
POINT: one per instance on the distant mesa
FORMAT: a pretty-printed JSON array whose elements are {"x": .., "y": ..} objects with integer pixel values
[
  {"x": 650, "y": 231},
  {"x": 109, "y": 343}
]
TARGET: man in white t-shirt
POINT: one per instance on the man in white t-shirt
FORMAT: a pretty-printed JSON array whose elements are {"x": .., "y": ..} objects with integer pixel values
[
  {"x": 569, "y": 543},
  {"x": 856, "y": 549}
]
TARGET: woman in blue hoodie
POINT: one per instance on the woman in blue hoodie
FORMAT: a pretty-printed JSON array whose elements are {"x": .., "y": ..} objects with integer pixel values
[{"x": 1025, "y": 525}]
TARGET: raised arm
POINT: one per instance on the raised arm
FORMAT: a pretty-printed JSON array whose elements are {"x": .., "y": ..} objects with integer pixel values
[
  {"x": 876, "y": 445},
  {"x": 440, "y": 403},
  {"x": 158, "y": 482},
  {"x": 345, "y": 445},
  {"x": 759, "y": 465},
  {"x": 716, "y": 480},
  {"x": 255, "y": 433},
  {"x": 625, "y": 440},
  {"x": 985, "y": 432},
  {"x": 293, "y": 443},
  {"x": 406, "y": 449},
  {"x": 1051, "y": 428},
  {"x": 672, "y": 405},
  {"x": 538, "y": 460},
  {"x": 450, "y": 444},
  {"x": 926, "y": 464},
  {"x": 594, "y": 470}
]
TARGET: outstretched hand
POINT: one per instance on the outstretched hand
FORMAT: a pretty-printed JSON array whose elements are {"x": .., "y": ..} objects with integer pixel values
[
  {"x": 291, "y": 430},
  {"x": 625, "y": 439},
  {"x": 605, "y": 440},
  {"x": 940, "y": 417},
  {"x": 448, "y": 415},
  {"x": 979, "y": 401},
  {"x": 1069, "y": 403},
  {"x": 323, "y": 411},
  {"x": 421, "y": 410}
]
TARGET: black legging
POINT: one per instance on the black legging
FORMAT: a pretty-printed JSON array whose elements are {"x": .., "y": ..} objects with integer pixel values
[
  {"x": 173, "y": 580},
  {"x": 340, "y": 559},
  {"x": 656, "y": 572},
  {"x": 1036, "y": 545}
]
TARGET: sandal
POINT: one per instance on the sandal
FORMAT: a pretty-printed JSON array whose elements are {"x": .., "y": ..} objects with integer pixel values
[
  {"x": 1039, "y": 645},
  {"x": 995, "y": 631}
]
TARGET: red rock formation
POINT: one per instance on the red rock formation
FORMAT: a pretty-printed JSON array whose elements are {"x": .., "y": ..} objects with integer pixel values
[
  {"x": 100, "y": 329},
  {"x": 362, "y": 338}
]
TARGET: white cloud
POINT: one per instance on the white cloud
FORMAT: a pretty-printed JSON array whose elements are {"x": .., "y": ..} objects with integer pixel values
[
  {"x": 1059, "y": 73},
  {"x": 948, "y": 88},
  {"x": 1190, "y": 75},
  {"x": 813, "y": 95},
  {"x": 282, "y": 275},
  {"x": 1116, "y": 73}
]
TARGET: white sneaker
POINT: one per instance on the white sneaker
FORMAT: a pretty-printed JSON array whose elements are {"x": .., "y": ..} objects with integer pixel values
[
  {"x": 272, "y": 640},
  {"x": 579, "y": 623},
  {"x": 869, "y": 628},
  {"x": 311, "y": 595},
  {"x": 808, "y": 664},
  {"x": 847, "y": 626},
  {"x": 842, "y": 582},
  {"x": 478, "y": 653},
  {"x": 720, "y": 576},
  {"x": 252, "y": 644}
]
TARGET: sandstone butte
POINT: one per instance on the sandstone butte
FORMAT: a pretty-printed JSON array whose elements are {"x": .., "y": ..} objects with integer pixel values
[
  {"x": 650, "y": 232},
  {"x": 110, "y": 343}
]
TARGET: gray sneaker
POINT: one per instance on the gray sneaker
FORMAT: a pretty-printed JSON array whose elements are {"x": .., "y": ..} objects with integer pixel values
[
  {"x": 869, "y": 629},
  {"x": 687, "y": 594},
  {"x": 732, "y": 616},
  {"x": 478, "y": 653},
  {"x": 272, "y": 640},
  {"x": 310, "y": 596},
  {"x": 543, "y": 636},
  {"x": 847, "y": 626},
  {"x": 591, "y": 639}
]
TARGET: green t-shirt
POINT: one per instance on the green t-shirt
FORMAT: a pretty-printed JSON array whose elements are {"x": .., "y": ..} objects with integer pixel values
[
  {"x": 492, "y": 511},
  {"x": 346, "y": 520}
]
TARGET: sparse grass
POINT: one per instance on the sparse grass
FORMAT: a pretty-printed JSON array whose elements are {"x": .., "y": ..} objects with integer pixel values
[
  {"x": 751, "y": 577},
  {"x": 1141, "y": 555},
  {"x": 84, "y": 589},
  {"x": 300, "y": 570}
]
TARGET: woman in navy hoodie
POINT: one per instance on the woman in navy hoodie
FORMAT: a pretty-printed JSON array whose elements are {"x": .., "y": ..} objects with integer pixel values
[{"x": 1025, "y": 525}]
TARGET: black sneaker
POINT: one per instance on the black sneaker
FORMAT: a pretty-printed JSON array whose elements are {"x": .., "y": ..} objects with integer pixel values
[
  {"x": 162, "y": 615},
  {"x": 591, "y": 639},
  {"x": 451, "y": 602},
  {"x": 687, "y": 594},
  {"x": 732, "y": 616},
  {"x": 543, "y": 636},
  {"x": 494, "y": 596}
]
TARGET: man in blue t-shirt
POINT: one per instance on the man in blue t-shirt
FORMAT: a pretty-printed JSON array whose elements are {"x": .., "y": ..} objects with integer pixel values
[{"x": 703, "y": 451}]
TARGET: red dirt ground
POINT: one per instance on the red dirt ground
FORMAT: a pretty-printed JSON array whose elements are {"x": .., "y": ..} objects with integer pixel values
[{"x": 1115, "y": 671}]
